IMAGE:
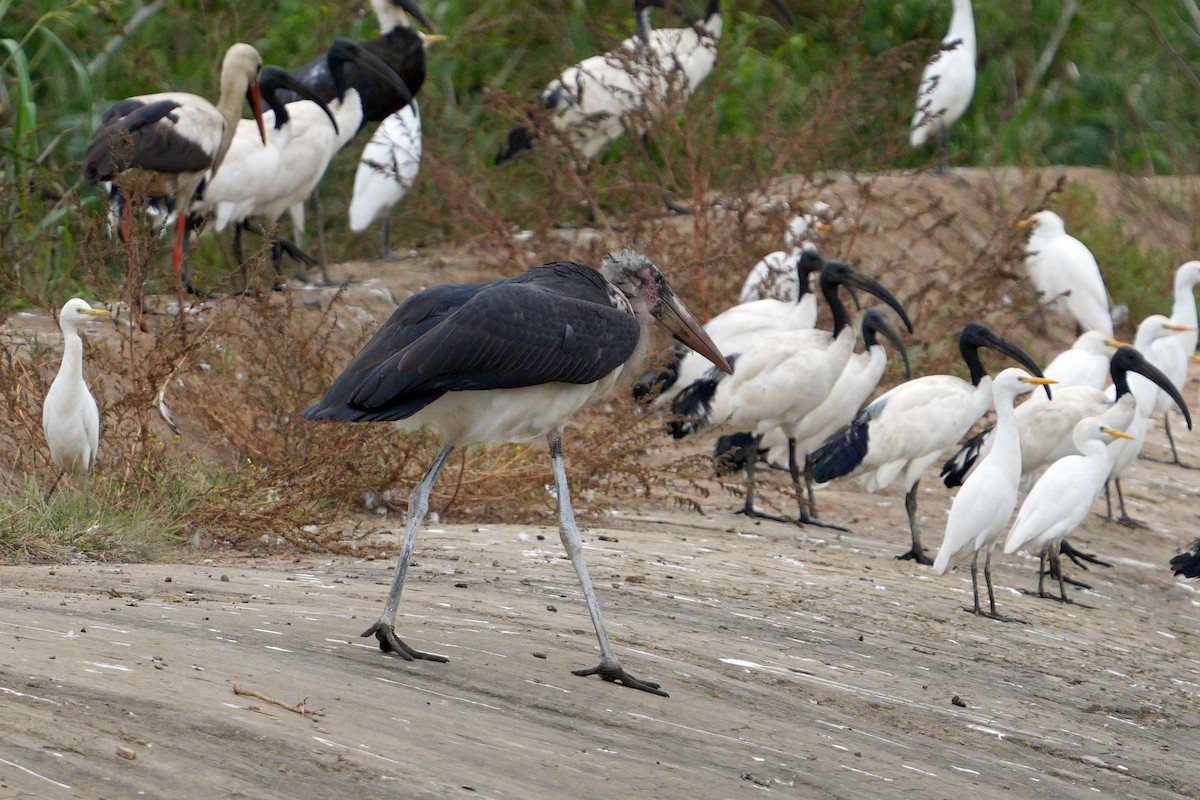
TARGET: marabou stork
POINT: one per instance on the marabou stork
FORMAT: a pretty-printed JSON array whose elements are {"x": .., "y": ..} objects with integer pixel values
[
  {"x": 982, "y": 508},
  {"x": 305, "y": 155},
  {"x": 70, "y": 417},
  {"x": 647, "y": 76},
  {"x": 1122, "y": 454},
  {"x": 734, "y": 330},
  {"x": 1187, "y": 563},
  {"x": 507, "y": 361},
  {"x": 165, "y": 145},
  {"x": 1065, "y": 274},
  {"x": 907, "y": 429},
  {"x": 947, "y": 84},
  {"x": 856, "y": 383},
  {"x": 1172, "y": 354},
  {"x": 1060, "y": 499},
  {"x": 780, "y": 378}
]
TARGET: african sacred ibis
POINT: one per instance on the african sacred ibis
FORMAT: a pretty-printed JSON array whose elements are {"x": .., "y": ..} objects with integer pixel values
[
  {"x": 734, "y": 330},
  {"x": 508, "y": 361},
  {"x": 1065, "y": 274},
  {"x": 982, "y": 508},
  {"x": 70, "y": 417},
  {"x": 947, "y": 83},
  {"x": 1060, "y": 499},
  {"x": 909, "y": 427},
  {"x": 164, "y": 145},
  {"x": 781, "y": 378}
]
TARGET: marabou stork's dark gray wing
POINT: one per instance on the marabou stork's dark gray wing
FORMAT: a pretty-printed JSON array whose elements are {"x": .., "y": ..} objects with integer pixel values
[
  {"x": 555, "y": 323},
  {"x": 151, "y": 136}
]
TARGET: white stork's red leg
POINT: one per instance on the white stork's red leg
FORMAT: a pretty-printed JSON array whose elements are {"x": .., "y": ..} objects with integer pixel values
[
  {"x": 418, "y": 504},
  {"x": 609, "y": 668}
]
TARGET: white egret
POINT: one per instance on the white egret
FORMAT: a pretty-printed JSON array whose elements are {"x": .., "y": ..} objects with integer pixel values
[
  {"x": 70, "y": 417},
  {"x": 1065, "y": 274},
  {"x": 947, "y": 84},
  {"x": 1173, "y": 353},
  {"x": 1085, "y": 363},
  {"x": 775, "y": 275},
  {"x": 509, "y": 361},
  {"x": 908, "y": 428},
  {"x": 1060, "y": 500},
  {"x": 982, "y": 508}
]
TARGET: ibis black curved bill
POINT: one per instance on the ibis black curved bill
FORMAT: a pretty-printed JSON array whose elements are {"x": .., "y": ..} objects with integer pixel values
[
  {"x": 1127, "y": 359},
  {"x": 273, "y": 77},
  {"x": 976, "y": 334},
  {"x": 348, "y": 50},
  {"x": 853, "y": 279},
  {"x": 876, "y": 321}
]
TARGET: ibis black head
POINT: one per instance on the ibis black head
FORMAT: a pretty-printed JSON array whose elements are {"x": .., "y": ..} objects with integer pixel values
[
  {"x": 519, "y": 139},
  {"x": 976, "y": 335},
  {"x": 839, "y": 273},
  {"x": 343, "y": 51},
  {"x": 273, "y": 80},
  {"x": 808, "y": 262},
  {"x": 644, "y": 286},
  {"x": 875, "y": 322},
  {"x": 1127, "y": 360}
]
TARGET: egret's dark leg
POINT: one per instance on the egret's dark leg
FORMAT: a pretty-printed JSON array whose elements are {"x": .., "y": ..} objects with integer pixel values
[
  {"x": 1062, "y": 587},
  {"x": 808, "y": 513},
  {"x": 672, "y": 205},
  {"x": 1171, "y": 439},
  {"x": 418, "y": 503},
  {"x": 385, "y": 250},
  {"x": 1078, "y": 556},
  {"x": 977, "y": 611},
  {"x": 751, "y": 468},
  {"x": 1042, "y": 572},
  {"x": 609, "y": 668},
  {"x": 917, "y": 553},
  {"x": 943, "y": 151},
  {"x": 1125, "y": 519},
  {"x": 53, "y": 486},
  {"x": 1107, "y": 501},
  {"x": 809, "y": 481},
  {"x": 987, "y": 576}
]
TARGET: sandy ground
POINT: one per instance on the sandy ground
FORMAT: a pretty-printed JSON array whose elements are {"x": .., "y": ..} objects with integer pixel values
[{"x": 798, "y": 663}]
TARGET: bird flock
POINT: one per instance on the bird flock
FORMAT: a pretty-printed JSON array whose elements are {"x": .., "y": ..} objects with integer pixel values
[{"x": 514, "y": 359}]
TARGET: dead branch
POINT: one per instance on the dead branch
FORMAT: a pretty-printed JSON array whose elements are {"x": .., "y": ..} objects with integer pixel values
[{"x": 298, "y": 708}]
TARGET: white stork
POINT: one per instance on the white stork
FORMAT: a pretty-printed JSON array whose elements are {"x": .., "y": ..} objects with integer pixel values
[
  {"x": 1172, "y": 354},
  {"x": 947, "y": 84},
  {"x": 1125, "y": 452},
  {"x": 70, "y": 417},
  {"x": 982, "y": 508},
  {"x": 908, "y": 428},
  {"x": 164, "y": 145},
  {"x": 508, "y": 361},
  {"x": 1060, "y": 499},
  {"x": 734, "y": 330},
  {"x": 1065, "y": 274},
  {"x": 780, "y": 378}
]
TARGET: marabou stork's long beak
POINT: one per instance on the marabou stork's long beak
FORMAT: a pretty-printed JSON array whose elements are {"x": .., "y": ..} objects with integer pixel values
[
  {"x": 1001, "y": 345},
  {"x": 285, "y": 79},
  {"x": 1133, "y": 361},
  {"x": 352, "y": 51},
  {"x": 411, "y": 7},
  {"x": 853, "y": 279},
  {"x": 254, "y": 97},
  {"x": 881, "y": 325},
  {"x": 683, "y": 325}
]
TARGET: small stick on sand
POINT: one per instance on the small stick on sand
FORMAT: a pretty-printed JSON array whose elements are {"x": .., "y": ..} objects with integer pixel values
[{"x": 298, "y": 708}]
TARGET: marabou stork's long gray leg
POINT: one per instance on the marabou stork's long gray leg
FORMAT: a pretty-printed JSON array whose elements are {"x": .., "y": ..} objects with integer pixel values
[
  {"x": 609, "y": 668},
  {"x": 418, "y": 503},
  {"x": 672, "y": 205},
  {"x": 916, "y": 553},
  {"x": 807, "y": 511},
  {"x": 751, "y": 468}
]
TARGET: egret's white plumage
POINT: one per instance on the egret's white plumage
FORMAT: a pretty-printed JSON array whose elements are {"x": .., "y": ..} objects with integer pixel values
[
  {"x": 386, "y": 170},
  {"x": 982, "y": 508},
  {"x": 1173, "y": 353},
  {"x": 70, "y": 417},
  {"x": 1065, "y": 274},
  {"x": 774, "y": 277},
  {"x": 1085, "y": 363},
  {"x": 1060, "y": 500},
  {"x": 948, "y": 81}
]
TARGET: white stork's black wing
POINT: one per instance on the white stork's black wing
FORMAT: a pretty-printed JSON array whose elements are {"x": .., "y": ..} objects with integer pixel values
[
  {"x": 135, "y": 133},
  {"x": 552, "y": 324}
]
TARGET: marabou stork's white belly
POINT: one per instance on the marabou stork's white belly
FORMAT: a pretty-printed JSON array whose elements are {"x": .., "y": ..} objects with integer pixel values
[{"x": 508, "y": 415}]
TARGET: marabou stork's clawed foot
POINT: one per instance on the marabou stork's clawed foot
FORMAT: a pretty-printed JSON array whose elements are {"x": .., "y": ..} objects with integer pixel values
[
  {"x": 614, "y": 673},
  {"x": 389, "y": 642},
  {"x": 916, "y": 555},
  {"x": 1078, "y": 556}
]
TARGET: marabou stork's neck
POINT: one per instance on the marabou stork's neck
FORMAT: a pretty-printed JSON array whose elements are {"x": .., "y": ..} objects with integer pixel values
[
  {"x": 841, "y": 315},
  {"x": 970, "y": 354}
]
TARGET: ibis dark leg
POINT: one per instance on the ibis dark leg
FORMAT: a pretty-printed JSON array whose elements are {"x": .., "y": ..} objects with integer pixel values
[
  {"x": 751, "y": 468},
  {"x": 976, "y": 610},
  {"x": 418, "y": 504},
  {"x": 1062, "y": 587},
  {"x": 609, "y": 668},
  {"x": 1042, "y": 572},
  {"x": 319, "y": 216},
  {"x": 1125, "y": 519},
  {"x": 385, "y": 250},
  {"x": 1171, "y": 439},
  {"x": 943, "y": 151},
  {"x": 917, "y": 553},
  {"x": 808, "y": 512},
  {"x": 987, "y": 577}
]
